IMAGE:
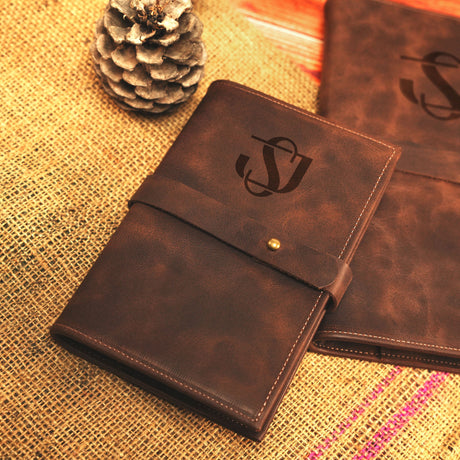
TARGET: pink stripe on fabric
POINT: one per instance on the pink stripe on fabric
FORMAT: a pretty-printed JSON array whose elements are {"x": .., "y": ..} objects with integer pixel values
[
  {"x": 359, "y": 410},
  {"x": 403, "y": 417}
]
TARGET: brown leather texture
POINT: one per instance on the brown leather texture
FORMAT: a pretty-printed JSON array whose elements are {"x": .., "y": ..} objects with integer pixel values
[
  {"x": 394, "y": 72},
  {"x": 187, "y": 300},
  {"x": 403, "y": 85}
]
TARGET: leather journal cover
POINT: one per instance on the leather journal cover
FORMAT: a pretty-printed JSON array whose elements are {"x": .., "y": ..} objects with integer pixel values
[
  {"x": 394, "y": 72},
  {"x": 210, "y": 291}
]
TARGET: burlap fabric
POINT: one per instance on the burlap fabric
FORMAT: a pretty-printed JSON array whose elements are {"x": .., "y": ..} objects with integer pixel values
[{"x": 70, "y": 159}]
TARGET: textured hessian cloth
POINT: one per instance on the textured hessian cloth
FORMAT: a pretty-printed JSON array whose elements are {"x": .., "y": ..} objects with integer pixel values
[{"x": 70, "y": 160}]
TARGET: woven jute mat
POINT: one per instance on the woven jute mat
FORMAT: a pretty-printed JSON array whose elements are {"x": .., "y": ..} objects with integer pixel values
[{"x": 70, "y": 160}]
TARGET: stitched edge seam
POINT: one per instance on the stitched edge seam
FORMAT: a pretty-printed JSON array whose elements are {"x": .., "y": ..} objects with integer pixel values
[
  {"x": 194, "y": 390},
  {"x": 388, "y": 338},
  {"x": 387, "y": 354},
  {"x": 368, "y": 201},
  {"x": 419, "y": 358},
  {"x": 150, "y": 367},
  {"x": 330, "y": 347},
  {"x": 427, "y": 176},
  {"x": 287, "y": 359},
  {"x": 302, "y": 112}
]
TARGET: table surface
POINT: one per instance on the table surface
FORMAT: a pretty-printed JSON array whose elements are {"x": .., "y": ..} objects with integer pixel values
[{"x": 297, "y": 26}]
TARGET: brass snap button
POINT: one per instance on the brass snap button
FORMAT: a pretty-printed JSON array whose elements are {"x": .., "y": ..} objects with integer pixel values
[{"x": 273, "y": 244}]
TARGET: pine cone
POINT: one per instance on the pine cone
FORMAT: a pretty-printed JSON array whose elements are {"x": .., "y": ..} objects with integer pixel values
[{"x": 149, "y": 53}]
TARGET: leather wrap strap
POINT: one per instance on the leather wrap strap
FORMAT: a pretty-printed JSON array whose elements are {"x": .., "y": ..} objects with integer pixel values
[{"x": 317, "y": 269}]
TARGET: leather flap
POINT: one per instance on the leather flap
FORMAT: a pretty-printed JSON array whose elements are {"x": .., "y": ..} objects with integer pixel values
[{"x": 319, "y": 270}]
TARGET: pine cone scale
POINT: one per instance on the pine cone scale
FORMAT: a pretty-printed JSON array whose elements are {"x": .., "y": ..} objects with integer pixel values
[
  {"x": 192, "y": 78},
  {"x": 138, "y": 77},
  {"x": 105, "y": 45},
  {"x": 125, "y": 57},
  {"x": 148, "y": 55},
  {"x": 154, "y": 91},
  {"x": 109, "y": 68},
  {"x": 122, "y": 89}
]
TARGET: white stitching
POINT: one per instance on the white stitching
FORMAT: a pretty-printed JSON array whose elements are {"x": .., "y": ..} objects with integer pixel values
[
  {"x": 148, "y": 366},
  {"x": 388, "y": 338},
  {"x": 205, "y": 395},
  {"x": 330, "y": 347},
  {"x": 367, "y": 202},
  {"x": 419, "y": 358},
  {"x": 385, "y": 354},
  {"x": 289, "y": 355},
  {"x": 303, "y": 112}
]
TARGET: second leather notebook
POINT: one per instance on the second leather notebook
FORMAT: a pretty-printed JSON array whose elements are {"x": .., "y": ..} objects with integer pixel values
[
  {"x": 211, "y": 289},
  {"x": 401, "y": 84}
]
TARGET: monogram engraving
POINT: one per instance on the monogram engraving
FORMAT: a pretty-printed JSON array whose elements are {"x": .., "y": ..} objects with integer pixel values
[
  {"x": 274, "y": 183},
  {"x": 430, "y": 65}
]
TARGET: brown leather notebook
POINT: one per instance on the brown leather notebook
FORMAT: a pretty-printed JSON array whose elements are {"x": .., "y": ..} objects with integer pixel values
[
  {"x": 394, "y": 72},
  {"x": 211, "y": 289}
]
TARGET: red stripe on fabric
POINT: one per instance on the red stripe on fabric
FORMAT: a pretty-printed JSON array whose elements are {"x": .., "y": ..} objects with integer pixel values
[
  {"x": 354, "y": 415},
  {"x": 392, "y": 427}
]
